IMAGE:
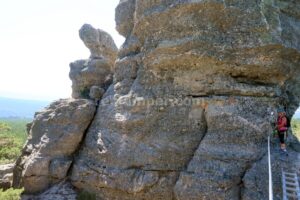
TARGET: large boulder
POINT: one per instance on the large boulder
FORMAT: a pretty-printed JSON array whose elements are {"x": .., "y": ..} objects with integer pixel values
[
  {"x": 189, "y": 110},
  {"x": 6, "y": 175},
  {"x": 55, "y": 135}
]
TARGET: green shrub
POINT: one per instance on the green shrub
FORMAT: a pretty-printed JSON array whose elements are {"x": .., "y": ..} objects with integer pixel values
[
  {"x": 84, "y": 195},
  {"x": 11, "y": 194},
  {"x": 85, "y": 93}
]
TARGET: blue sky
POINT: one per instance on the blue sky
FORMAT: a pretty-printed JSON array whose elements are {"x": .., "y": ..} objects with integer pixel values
[{"x": 38, "y": 40}]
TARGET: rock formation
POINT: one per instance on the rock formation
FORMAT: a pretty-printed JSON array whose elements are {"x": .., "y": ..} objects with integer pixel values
[
  {"x": 188, "y": 113},
  {"x": 98, "y": 69},
  {"x": 100, "y": 43},
  {"x": 194, "y": 85},
  {"x": 54, "y": 137}
]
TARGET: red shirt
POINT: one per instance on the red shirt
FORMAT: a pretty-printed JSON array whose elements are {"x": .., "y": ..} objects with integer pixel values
[{"x": 281, "y": 123}]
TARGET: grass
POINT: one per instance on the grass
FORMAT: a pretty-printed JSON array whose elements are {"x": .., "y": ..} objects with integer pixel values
[
  {"x": 296, "y": 127},
  {"x": 12, "y": 138},
  {"x": 11, "y": 194}
]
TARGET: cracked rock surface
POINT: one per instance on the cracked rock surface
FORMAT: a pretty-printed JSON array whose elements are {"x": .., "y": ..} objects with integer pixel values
[
  {"x": 189, "y": 109},
  {"x": 188, "y": 112},
  {"x": 55, "y": 135}
]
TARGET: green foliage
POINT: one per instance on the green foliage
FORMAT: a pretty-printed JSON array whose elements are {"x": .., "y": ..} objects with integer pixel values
[
  {"x": 12, "y": 138},
  {"x": 11, "y": 194},
  {"x": 296, "y": 127},
  {"x": 85, "y": 93},
  {"x": 84, "y": 195}
]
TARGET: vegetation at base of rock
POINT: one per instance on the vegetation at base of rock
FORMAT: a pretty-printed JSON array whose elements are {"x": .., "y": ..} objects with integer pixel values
[
  {"x": 85, "y": 92},
  {"x": 11, "y": 194},
  {"x": 84, "y": 195},
  {"x": 12, "y": 138},
  {"x": 296, "y": 127}
]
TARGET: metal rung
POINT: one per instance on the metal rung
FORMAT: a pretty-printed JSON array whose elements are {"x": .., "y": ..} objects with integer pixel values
[
  {"x": 291, "y": 179},
  {"x": 291, "y": 184},
  {"x": 293, "y": 195},
  {"x": 291, "y": 189},
  {"x": 290, "y": 173}
]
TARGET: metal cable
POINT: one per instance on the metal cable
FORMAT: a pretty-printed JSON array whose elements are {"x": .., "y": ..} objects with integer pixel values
[{"x": 270, "y": 172}]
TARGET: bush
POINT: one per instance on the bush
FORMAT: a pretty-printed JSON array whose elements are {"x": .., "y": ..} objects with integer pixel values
[
  {"x": 12, "y": 138},
  {"x": 11, "y": 194},
  {"x": 84, "y": 195}
]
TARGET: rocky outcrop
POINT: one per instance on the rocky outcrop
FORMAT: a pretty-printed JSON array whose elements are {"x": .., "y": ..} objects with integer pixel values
[
  {"x": 98, "y": 69},
  {"x": 100, "y": 43},
  {"x": 55, "y": 135},
  {"x": 57, "y": 132},
  {"x": 189, "y": 111}
]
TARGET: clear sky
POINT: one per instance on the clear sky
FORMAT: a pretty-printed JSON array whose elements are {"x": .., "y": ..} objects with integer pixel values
[{"x": 38, "y": 40}]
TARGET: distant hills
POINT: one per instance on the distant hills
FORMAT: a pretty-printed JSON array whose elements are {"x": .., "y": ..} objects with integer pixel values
[{"x": 20, "y": 108}]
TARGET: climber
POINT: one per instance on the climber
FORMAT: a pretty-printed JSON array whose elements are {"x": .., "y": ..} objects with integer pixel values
[{"x": 282, "y": 128}]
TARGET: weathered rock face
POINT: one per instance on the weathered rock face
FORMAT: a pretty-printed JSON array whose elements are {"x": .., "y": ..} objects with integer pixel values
[
  {"x": 98, "y": 70},
  {"x": 189, "y": 111},
  {"x": 55, "y": 135},
  {"x": 6, "y": 175}
]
